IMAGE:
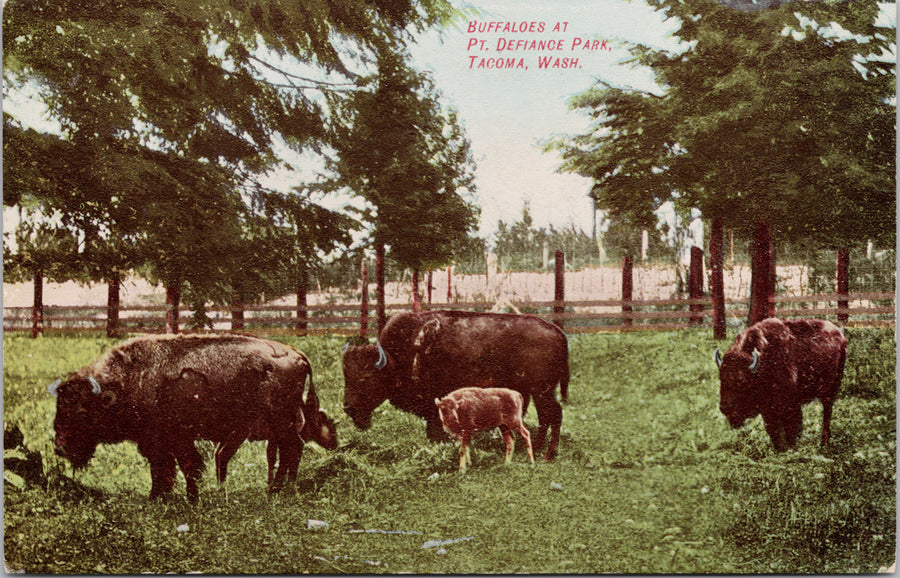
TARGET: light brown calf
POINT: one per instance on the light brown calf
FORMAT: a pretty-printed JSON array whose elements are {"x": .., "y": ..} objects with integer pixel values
[{"x": 471, "y": 409}]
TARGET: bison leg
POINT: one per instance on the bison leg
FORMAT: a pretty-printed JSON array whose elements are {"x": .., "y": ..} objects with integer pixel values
[
  {"x": 162, "y": 474},
  {"x": 827, "y": 403},
  {"x": 191, "y": 463},
  {"x": 509, "y": 440},
  {"x": 272, "y": 458},
  {"x": 464, "y": 457},
  {"x": 775, "y": 429},
  {"x": 523, "y": 431},
  {"x": 793, "y": 425},
  {"x": 224, "y": 452},
  {"x": 290, "y": 448},
  {"x": 162, "y": 466},
  {"x": 549, "y": 416}
]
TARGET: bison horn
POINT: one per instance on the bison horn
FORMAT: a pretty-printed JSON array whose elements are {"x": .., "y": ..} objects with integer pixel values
[
  {"x": 718, "y": 357},
  {"x": 51, "y": 389},
  {"x": 382, "y": 356},
  {"x": 754, "y": 361},
  {"x": 346, "y": 347},
  {"x": 95, "y": 385}
]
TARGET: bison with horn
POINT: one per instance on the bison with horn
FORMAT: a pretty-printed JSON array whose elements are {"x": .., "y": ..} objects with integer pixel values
[
  {"x": 165, "y": 392},
  {"x": 422, "y": 356},
  {"x": 774, "y": 367}
]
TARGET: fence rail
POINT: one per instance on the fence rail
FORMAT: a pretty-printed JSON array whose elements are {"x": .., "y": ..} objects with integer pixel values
[{"x": 608, "y": 315}]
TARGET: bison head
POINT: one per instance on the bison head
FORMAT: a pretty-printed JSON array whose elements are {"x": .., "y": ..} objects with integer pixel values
[
  {"x": 81, "y": 417},
  {"x": 368, "y": 377},
  {"x": 448, "y": 409},
  {"x": 319, "y": 428},
  {"x": 738, "y": 395}
]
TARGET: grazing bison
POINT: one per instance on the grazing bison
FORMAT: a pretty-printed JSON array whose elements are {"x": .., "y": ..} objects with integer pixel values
[
  {"x": 774, "y": 367},
  {"x": 422, "y": 356},
  {"x": 471, "y": 409},
  {"x": 164, "y": 392}
]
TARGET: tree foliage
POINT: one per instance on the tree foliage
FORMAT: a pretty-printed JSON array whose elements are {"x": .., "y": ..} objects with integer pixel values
[
  {"x": 783, "y": 115},
  {"x": 169, "y": 113},
  {"x": 409, "y": 158}
]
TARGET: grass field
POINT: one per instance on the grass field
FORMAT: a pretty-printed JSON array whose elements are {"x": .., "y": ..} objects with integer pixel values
[{"x": 650, "y": 479}]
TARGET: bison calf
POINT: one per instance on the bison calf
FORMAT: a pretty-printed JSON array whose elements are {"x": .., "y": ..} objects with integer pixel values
[
  {"x": 774, "y": 367},
  {"x": 472, "y": 409}
]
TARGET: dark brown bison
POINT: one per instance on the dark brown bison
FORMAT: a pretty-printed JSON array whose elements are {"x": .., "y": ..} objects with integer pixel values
[
  {"x": 165, "y": 392},
  {"x": 774, "y": 367},
  {"x": 422, "y": 356}
]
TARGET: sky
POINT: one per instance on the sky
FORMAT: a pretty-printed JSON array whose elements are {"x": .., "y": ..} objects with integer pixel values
[{"x": 508, "y": 113}]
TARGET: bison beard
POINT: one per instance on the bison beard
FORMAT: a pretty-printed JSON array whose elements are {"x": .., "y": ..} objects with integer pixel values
[
  {"x": 164, "y": 392},
  {"x": 774, "y": 367},
  {"x": 423, "y": 356}
]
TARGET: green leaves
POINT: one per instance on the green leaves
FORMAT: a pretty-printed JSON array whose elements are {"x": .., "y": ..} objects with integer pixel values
[
  {"x": 762, "y": 112},
  {"x": 407, "y": 156}
]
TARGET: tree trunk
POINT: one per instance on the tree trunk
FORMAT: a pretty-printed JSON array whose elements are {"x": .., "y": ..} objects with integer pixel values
[
  {"x": 449, "y": 274},
  {"x": 762, "y": 287},
  {"x": 717, "y": 277},
  {"x": 430, "y": 287},
  {"x": 379, "y": 285},
  {"x": 559, "y": 292},
  {"x": 843, "y": 283},
  {"x": 695, "y": 284},
  {"x": 173, "y": 297},
  {"x": 364, "y": 301},
  {"x": 627, "y": 287},
  {"x": 302, "y": 291},
  {"x": 112, "y": 305},
  {"x": 37, "y": 307},
  {"x": 237, "y": 316},
  {"x": 417, "y": 303}
]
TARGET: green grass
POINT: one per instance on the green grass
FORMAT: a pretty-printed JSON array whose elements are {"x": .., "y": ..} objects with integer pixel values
[{"x": 650, "y": 479}]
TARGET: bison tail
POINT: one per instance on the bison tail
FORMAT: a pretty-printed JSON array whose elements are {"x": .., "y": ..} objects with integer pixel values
[
  {"x": 564, "y": 380},
  {"x": 312, "y": 398}
]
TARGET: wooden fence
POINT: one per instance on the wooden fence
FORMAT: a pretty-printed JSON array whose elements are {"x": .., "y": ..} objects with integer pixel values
[{"x": 852, "y": 309}]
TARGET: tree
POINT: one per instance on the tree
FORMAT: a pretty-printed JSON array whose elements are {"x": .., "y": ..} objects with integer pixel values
[
  {"x": 151, "y": 92},
  {"x": 768, "y": 120},
  {"x": 409, "y": 158}
]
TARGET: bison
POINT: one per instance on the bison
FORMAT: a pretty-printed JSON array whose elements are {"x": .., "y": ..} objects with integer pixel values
[
  {"x": 774, "y": 367},
  {"x": 165, "y": 392},
  {"x": 471, "y": 409},
  {"x": 422, "y": 356}
]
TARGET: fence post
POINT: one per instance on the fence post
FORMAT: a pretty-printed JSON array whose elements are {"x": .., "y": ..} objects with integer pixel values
[
  {"x": 364, "y": 302},
  {"x": 559, "y": 293},
  {"x": 112, "y": 305},
  {"x": 695, "y": 284},
  {"x": 717, "y": 280},
  {"x": 37, "y": 307},
  {"x": 627, "y": 286},
  {"x": 843, "y": 284}
]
